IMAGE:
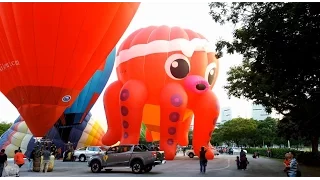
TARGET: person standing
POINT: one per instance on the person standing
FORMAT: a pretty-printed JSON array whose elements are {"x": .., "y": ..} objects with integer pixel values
[
  {"x": 269, "y": 152},
  {"x": 242, "y": 153},
  {"x": 19, "y": 158},
  {"x": 203, "y": 160},
  {"x": 59, "y": 153},
  {"x": 3, "y": 161},
  {"x": 46, "y": 159},
  {"x": 31, "y": 159},
  {"x": 293, "y": 167},
  {"x": 243, "y": 160},
  {"x": 53, "y": 149}
]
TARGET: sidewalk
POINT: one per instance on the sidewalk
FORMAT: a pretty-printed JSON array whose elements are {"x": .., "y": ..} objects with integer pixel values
[{"x": 306, "y": 171}]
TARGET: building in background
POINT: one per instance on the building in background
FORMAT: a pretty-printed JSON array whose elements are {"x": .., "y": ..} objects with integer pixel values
[
  {"x": 226, "y": 114},
  {"x": 259, "y": 112}
]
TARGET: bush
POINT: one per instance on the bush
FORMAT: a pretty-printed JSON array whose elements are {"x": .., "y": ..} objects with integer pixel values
[
  {"x": 275, "y": 152},
  {"x": 307, "y": 158}
]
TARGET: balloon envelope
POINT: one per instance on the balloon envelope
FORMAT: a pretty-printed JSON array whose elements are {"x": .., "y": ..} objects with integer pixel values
[
  {"x": 166, "y": 75},
  {"x": 88, "y": 133},
  {"x": 89, "y": 95},
  {"x": 49, "y": 51}
]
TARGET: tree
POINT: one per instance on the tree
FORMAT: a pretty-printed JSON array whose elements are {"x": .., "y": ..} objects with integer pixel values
[
  {"x": 190, "y": 137},
  {"x": 237, "y": 130},
  {"x": 267, "y": 131},
  {"x": 4, "y": 127},
  {"x": 281, "y": 67},
  {"x": 300, "y": 126},
  {"x": 142, "y": 139},
  {"x": 216, "y": 137}
]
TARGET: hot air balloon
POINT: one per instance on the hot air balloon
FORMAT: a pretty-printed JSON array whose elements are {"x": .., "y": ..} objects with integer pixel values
[
  {"x": 75, "y": 125},
  {"x": 49, "y": 51},
  {"x": 88, "y": 133},
  {"x": 89, "y": 95},
  {"x": 165, "y": 76},
  {"x": 75, "y": 114}
]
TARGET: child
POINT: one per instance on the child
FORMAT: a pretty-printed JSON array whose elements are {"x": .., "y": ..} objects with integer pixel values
[
  {"x": 238, "y": 162},
  {"x": 286, "y": 162}
]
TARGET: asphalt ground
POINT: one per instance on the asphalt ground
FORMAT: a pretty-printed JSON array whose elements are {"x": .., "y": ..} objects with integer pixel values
[{"x": 182, "y": 166}]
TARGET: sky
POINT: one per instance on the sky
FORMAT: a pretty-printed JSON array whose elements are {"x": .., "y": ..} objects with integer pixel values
[{"x": 193, "y": 16}]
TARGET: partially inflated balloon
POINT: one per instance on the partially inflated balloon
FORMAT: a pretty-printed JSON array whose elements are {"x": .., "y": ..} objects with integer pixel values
[
  {"x": 89, "y": 95},
  {"x": 49, "y": 51},
  {"x": 88, "y": 133}
]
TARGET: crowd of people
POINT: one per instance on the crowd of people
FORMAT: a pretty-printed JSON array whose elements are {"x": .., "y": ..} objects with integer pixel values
[
  {"x": 290, "y": 162},
  {"x": 41, "y": 150}
]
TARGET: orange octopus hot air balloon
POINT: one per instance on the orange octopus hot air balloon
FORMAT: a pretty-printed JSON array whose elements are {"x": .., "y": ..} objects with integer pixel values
[
  {"x": 165, "y": 77},
  {"x": 49, "y": 51}
]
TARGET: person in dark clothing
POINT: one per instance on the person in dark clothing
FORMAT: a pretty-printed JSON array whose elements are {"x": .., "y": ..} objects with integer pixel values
[
  {"x": 53, "y": 149},
  {"x": 243, "y": 162},
  {"x": 31, "y": 158},
  {"x": 203, "y": 160},
  {"x": 238, "y": 162},
  {"x": 3, "y": 161},
  {"x": 269, "y": 152},
  {"x": 46, "y": 160},
  {"x": 242, "y": 153}
]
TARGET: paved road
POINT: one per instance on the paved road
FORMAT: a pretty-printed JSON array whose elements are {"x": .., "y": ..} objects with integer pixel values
[{"x": 221, "y": 166}]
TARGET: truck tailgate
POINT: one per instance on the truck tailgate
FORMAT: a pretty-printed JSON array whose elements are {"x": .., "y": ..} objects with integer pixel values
[{"x": 160, "y": 155}]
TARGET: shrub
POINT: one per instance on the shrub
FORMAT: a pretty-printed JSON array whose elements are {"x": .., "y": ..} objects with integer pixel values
[{"x": 307, "y": 158}]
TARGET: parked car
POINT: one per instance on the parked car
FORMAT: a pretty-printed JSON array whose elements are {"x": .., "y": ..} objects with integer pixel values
[
  {"x": 191, "y": 153},
  {"x": 135, "y": 157},
  {"x": 238, "y": 150},
  {"x": 85, "y": 153}
]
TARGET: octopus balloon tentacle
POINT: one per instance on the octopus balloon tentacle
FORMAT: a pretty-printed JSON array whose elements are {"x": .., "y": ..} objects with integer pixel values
[
  {"x": 204, "y": 122},
  {"x": 168, "y": 74},
  {"x": 112, "y": 106},
  {"x": 173, "y": 103},
  {"x": 183, "y": 131},
  {"x": 133, "y": 97}
]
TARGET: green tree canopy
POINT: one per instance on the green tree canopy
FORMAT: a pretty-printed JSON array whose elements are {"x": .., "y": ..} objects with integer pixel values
[
  {"x": 281, "y": 66},
  {"x": 236, "y": 130},
  {"x": 4, "y": 127}
]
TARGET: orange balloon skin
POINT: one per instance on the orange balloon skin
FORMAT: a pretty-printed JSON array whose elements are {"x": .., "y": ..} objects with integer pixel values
[
  {"x": 162, "y": 91},
  {"x": 49, "y": 51}
]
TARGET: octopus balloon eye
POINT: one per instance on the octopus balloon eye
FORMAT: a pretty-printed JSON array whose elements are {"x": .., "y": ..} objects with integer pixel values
[
  {"x": 210, "y": 73},
  {"x": 177, "y": 66}
]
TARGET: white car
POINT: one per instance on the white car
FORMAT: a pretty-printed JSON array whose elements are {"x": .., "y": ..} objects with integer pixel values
[
  {"x": 85, "y": 153},
  {"x": 238, "y": 150},
  {"x": 191, "y": 153}
]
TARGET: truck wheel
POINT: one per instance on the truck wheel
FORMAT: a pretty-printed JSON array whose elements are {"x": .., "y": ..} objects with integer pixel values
[
  {"x": 191, "y": 155},
  {"x": 137, "y": 167},
  {"x": 96, "y": 166},
  {"x": 82, "y": 158},
  {"x": 147, "y": 169}
]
